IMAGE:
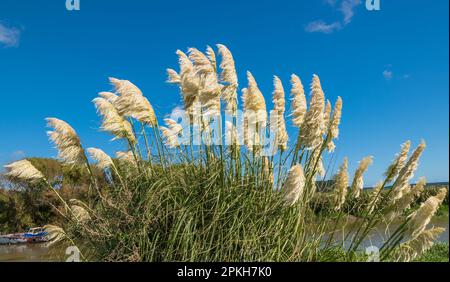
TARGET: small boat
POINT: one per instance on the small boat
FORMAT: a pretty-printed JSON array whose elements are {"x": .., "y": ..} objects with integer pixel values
[
  {"x": 12, "y": 239},
  {"x": 36, "y": 235},
  {"x": 33, "y": 235}
]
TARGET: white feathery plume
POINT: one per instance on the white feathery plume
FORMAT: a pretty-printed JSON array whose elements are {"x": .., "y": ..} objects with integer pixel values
[
  {"x": 254, "y": 112},
  {"x": 331, "y": 146},
  {"x": 327, "y": 117},
  {"x": 80, "y": 213},
  {"x": 78, "y": 203},
  {"x": 336, "y": 118},
  {"x": 320, "y": 167},
  {"x": 358, "y": 180},
  {"x": 127, "y": 157},
  {"x": 66, "y": 140},
  {"x": 227, "y": 65},
  {"x": 283, "y": 137},
  {"x": 171, "y": 132},
  {"x": 113, "y": 122},
  {"x": 103, "y": 160},
  {"x": 278, "y": 95},
  {"x": 23, "y": 170},
  {"x": 341, "y": 184},
  {"x": 186, "y": 65},
  {"x": 399, "y": 191},
  {"x": 399, "y": 162},
  {"x": 202, "y": 64},
  {"x": 212, "y": 57},
  {"x": 417, "y": 246},
  {"x": 109, "y": 96},
  {"x": 279, "y": 103},
  {"x": 131, "y": 102},
  {"x": 125, "y": 87},
  {"x": 210, "y": 92},
  {"x": 229, "y": 77},
  {"x": 298, "y": 101},
  {"x": 55, "y": 234},
  {"x": 229, "y": 95},
  {"x": 189, "y": 81},
  {"x": 333, "y": 128},
  {"x": 374, "y": 197},
  {"x": 402, "y": 204},
  {"x": 311, "y": 134},
  {"x": 294, "y": 185},
  {"x": 173, "y": 77},
  {"x": 170, "y": 138},
  {"x": 421, "y": 217},
  {"x": 255, "y": 102},
  {"x": 244, "y": 98},
  {"x": 143, "y": 111},
  {"x": 407, "y": 172},
  {"x": 174, "y": 126},
  {"x": 417, "y": 189}
]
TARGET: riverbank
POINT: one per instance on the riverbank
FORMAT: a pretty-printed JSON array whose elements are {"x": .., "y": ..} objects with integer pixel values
[
  {"x": 438, "y": 253},
  {"x": 40, "y": 253}
]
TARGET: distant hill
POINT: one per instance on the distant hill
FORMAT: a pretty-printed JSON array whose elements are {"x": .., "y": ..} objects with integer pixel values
[
  {"x": 430, "y": 185},
  {"x": 438, "y": 184},
  {"x": 328, "y": 185}
]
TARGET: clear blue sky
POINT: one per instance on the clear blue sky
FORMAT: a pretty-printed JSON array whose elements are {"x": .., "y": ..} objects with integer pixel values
[{"x": 390, "y": 66}]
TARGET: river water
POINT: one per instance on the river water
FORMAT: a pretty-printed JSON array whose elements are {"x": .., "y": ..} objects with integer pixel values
[{"x": 40, "y": 252}]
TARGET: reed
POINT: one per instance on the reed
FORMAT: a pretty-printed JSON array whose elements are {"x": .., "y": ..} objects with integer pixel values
[{"x": 226, "y": 202}]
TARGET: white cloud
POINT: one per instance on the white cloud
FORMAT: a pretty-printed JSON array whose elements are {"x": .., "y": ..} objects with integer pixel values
[
  {"x": 178, "y": 111},
  {"x": 18, "y": 154},
  {"x": 388, "y": 74},
  {"x": 331, "y": 2},
  {"x": 321, "y": 26},
  {"x": 9, "y": 36},
  {"x": 347, "y": 9}
]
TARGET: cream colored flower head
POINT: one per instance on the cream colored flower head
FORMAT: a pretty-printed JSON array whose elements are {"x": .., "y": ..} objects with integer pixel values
[
  {"x": 103, "y": 160},
  {"x": 66, "y": 140},
  {"x": 294, "y": 185},
  {"x": 23, "y": 170},
  {"x": 127, "y": 157},
  {"x": 341, "y": 185},
  {"x": 298, "y": 101},
  {"x": 254, "y": 100},
  {"x": 113, "y": 122},
  {"x": 358, "y": 180},
  {"x": 312, "y": 129},
  {"x": 131, "y": 102}
]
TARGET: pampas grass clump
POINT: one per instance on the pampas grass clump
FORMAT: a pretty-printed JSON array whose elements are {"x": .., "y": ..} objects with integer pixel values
[{"x": 161, "y": 199}]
